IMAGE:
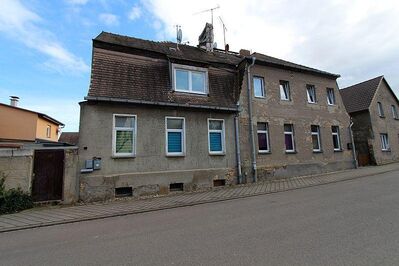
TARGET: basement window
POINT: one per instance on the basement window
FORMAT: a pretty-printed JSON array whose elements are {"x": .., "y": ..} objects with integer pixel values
[
  {"x": 176, "y": 187},
  {"x": 121, "y": 192}
]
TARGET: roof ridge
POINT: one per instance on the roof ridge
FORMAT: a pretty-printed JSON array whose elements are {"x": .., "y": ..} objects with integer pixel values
[{"x": 349, "y": 87}]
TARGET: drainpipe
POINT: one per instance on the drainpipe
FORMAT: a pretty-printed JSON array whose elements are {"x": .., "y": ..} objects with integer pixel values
[
  {"x": 251, "y": 129},
  {"x": 353, "y": 145},
  {"x": 237, "y": 140}
]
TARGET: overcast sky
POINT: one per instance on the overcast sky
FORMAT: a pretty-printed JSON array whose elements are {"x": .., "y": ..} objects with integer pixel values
[{"x": 45, "y": 48}]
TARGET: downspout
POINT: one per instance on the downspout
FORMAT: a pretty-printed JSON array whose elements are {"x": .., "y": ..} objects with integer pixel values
[
  {"x": 237, "y": 140},
  {"x": 353, "y": 145},
  {"x": 251, "y": 129}
]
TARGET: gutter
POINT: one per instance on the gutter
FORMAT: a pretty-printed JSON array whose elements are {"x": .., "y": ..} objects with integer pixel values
[
  {"x": 251, "y": 128},
  {"x": 353, "y": 145},
  {"x": 122, "y": 100}
]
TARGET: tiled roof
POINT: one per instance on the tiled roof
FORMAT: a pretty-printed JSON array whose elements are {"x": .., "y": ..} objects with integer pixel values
[
  {"x": 286, "y": 64},
  {"x": 358, "y": 97},
  {"x": 69, "y": 137}
]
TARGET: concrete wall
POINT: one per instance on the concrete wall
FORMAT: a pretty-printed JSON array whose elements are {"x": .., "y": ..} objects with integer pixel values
[
  {"x": 302, "y": 115},
  {"x": 17, "y": 166},
  {"x": 17, "y": 124},
  {"x": 387, "y": 125},
  {"x": 151, "y": 171}
]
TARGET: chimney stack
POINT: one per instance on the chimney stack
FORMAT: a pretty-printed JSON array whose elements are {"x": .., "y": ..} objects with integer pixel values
[
  {"x": 245, "y": 52},
  {"x": 14, "y": 101},
  {"x": 206, "y": 38}
]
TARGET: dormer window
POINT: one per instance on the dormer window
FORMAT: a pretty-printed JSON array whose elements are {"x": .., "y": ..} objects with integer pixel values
[{"x": 190, "y": 79}]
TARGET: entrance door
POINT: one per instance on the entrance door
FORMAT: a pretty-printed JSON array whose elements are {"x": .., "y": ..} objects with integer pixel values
[{"x": 48, "y": 171}]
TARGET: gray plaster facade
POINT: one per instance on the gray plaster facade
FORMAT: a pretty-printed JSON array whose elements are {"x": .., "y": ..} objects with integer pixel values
[
  {"x": 277, "y": 163},
  {"x": 151, "y": 171}
]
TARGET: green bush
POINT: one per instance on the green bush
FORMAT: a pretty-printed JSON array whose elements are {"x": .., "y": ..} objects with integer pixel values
[{"x": 13, "y": 200}]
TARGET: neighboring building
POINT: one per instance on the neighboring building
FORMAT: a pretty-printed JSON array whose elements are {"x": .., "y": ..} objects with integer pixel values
[
  {"x": 71, "y": 138},
  {"x": 373, "y": 107},
  {"x": 18, "y": 124},
  {"x": 160, "y": 117},
  {"x": 300, "y": 126}
]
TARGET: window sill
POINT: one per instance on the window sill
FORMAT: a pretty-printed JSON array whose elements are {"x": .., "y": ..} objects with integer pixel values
[
  {"x": 264, "y": 152},
  {"x": 332, "y": 105},
  {"x": 217, "y": 154},
  {"x": 382, "y": 116},
  {"x": 259, "y": 97},
  {"x": 205, "y": 94},
  {"x": 317, "y": 151},
  {"x": 389, "y": 150},
  {"x": 291, "y": 152},
  {"x": 123, "y": 156},
  {"x": 340, "y": 150},
  {"x": 175, "y": 155},
  {"x": 312, "y": 102}
]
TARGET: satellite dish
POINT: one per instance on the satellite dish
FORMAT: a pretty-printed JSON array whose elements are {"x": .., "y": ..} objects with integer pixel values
[{"x": 179, "y": 35}]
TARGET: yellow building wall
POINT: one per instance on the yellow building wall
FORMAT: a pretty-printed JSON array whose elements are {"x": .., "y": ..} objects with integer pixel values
[
  {"x": 41, "y": 130},
  {"x": 17, "y": 124}
]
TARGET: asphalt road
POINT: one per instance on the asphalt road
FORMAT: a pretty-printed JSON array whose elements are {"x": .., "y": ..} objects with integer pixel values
[{"x": 347, "y": 223}]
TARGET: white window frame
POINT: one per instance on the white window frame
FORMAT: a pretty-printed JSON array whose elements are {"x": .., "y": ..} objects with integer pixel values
[
  {"x": 292, "y": 138},
  {"x": 331, "y": 92},
  {"x": 114, "y": 129},
  {"x": 190, "y": 70},
  {"x": 308, "y": 87},
  {"x": 263, "y": 86},
  {"x": 380, "y": 110},
  {"x": 48, "y": 131},
  {"x": 266, "y": 132},
  {"x": 285, "y": 90},
  {"x": 318, "y": 137},
  {"x": 394, "y": 112},
  {"x": 384, "y": 142},
  {"x": 337, "y": 134},
  {"x": 183, "y": 141},
  {"x": 217, "y": 131}
]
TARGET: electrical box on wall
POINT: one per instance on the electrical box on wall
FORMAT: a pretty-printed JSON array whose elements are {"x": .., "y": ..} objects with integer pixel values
[{"x": 96, "y": 163}]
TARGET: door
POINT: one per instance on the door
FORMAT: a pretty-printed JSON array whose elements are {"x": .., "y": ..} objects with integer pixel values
[{"x": 48, "y": 171}]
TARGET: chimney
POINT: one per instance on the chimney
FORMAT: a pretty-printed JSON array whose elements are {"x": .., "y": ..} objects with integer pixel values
[
  {"x": 245, "y": 52},
  {"x": 14, "y": 101},
  {"x": 206, "y": 38}
]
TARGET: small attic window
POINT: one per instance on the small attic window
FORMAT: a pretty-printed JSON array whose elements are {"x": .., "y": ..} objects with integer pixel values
[{"x": 190, "y": 79}]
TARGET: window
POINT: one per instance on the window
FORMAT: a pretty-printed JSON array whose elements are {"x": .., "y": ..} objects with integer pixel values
[
  {"x": 311, "y": 92},
  {"x": 175, "y": 136},
  {"x": 263, "y": 138},
  {"x": 330, "y": 96},
  {"x": 336, "y": 138},
  {"x": 124, "y": 135},
  {"x": 380, "y": 110},
  {"x": 259, "y": 87},
  {"x": 316, "y": 138},
  {"x": 48, "y": 131},
  {"x": 216, "y": 136},
  {"x": 394, "y": 112},
  {"x": 285, "y": 94},
  {"x": 289, "y": 138},
  {"x": 384, "y": 142},
  {"x": 190, "y": 79}
]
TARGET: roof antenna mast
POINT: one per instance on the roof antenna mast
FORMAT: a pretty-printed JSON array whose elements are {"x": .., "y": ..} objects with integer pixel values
[
  {"x": 179, "y": 36},
  {"x": 209, "y": 10},
  {"x": 224, "y": 34}
]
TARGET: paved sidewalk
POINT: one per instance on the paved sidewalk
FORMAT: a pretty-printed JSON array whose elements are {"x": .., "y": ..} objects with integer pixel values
[{"x": 39, "y": 217}]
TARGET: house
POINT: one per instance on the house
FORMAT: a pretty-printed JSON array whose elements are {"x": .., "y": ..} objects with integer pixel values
[
  {"x": 373, "y": 107},
  {"x": 157, "y": 118},
  {"x": 162, "y": 117},
  {"x": 299, "y": 125},
  {"x": 18, "y": 124}
]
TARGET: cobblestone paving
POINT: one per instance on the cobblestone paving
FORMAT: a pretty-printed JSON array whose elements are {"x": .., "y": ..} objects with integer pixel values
[{"x": 39, "y": 217}]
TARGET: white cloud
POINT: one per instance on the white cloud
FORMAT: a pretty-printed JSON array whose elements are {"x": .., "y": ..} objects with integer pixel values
[
  {"x": 357, "y": 39},
  {"x": 22, "y": 25},
  {"x": 77, "y": 2},
  {"x": 109, "y": 19},
  {"x": 135, "y": 13}
]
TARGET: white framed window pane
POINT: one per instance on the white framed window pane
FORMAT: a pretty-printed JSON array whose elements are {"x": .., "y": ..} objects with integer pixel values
[
  {"x": 315, "y": 141},
  {"x": 384, "y": 142},
  {"x": 311, "y": 93},
  {"x": 215, "y": 125},
  {"x": 198, "y": 81},
  {"x": 258, "y": 87},
  {"x": 330, "y": 96},
  {"x": 124, "y": 141},
  {"x": 175, "y": 142},
  {"x": 174, "y": 123},
  {"x": 182, "y": 80},
  {"x": 215, "y": 139},
  {"x": 284, "y": 90},
  {"x": 124, "y": 121},
  {"x": 380, "y": 110},
  {"x": 394, "y": 112}
]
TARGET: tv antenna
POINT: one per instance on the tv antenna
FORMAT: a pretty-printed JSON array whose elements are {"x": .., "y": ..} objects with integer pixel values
[
  {"x": 179, "y": 36},
  {"x": 208, "y": 10},
  {"x": 224, "y": 31}
]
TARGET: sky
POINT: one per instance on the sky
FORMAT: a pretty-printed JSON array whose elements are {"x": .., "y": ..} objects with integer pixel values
[{"x": 45, "y": 46}]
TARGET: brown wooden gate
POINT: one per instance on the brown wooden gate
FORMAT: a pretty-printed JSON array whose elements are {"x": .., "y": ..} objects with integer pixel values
[{"x": 48, "y": 172}]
